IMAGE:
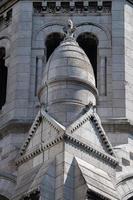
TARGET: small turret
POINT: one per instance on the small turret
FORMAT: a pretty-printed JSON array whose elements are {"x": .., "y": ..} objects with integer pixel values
[{"x": 68, "y": 83}]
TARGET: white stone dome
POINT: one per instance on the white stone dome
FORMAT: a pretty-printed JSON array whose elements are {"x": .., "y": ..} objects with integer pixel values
[{"x": 68, "y": 83}]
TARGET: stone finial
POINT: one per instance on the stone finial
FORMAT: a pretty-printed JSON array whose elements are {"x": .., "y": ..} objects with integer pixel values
[{"x": 69, "y": 29}]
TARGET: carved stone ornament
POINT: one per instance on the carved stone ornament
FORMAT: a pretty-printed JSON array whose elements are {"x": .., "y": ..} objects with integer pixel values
[{"x": 69, "y": 29}]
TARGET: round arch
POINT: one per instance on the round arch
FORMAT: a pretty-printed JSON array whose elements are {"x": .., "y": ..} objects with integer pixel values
[
  {"x": 43, "y": 32},
  {"x": 101, "y": 33},
  {"x": 104, "y": 37}
]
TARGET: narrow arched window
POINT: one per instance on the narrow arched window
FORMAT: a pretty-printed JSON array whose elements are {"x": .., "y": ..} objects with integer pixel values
[
  {"x": 3, "y": 77},
  {"x": 53, "y": 40},
  {"x": 88, "y": 42}
]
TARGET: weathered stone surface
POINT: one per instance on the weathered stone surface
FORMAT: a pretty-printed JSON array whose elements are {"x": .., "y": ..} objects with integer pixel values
[{"x": 24, "y": 38}]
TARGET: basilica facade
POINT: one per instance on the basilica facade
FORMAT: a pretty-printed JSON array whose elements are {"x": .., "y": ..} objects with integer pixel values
[{"x": 66, "y": 100}]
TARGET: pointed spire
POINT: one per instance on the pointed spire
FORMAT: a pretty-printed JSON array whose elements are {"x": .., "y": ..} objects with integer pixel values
[{"x": 69, "y": 29}]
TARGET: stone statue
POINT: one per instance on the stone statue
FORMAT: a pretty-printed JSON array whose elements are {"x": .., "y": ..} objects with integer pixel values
[{"x": 69, "y": 29}]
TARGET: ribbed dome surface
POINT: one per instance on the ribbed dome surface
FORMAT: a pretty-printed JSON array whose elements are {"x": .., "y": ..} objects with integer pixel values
[{"x": 68, "y": 83}]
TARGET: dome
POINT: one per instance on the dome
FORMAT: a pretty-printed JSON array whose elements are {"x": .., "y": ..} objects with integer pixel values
[{"x": 68, "y": 82}]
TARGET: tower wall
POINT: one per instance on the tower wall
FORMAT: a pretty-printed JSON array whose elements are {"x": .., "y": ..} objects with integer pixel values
[
  {"x": 24, "y": 41},
  {"x": 128, "y": 14},
  {"x": 24, "y": 35}
]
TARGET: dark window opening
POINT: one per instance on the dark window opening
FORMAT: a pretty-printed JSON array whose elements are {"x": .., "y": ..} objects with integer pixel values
[
  {"x": 3, "y": 77},
  {"x": 3, "y": 198},
  {"x": 88, "y": 42},
  {"x": 53, "y": 41},
  {"x": 131, "y": 198}
]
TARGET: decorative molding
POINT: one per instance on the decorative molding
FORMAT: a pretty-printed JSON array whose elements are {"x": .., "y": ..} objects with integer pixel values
[
  {"x": 41, "y": 115},
  {"x": 39, "y": 149},
  {"x": 65, "y": 137},
  {"x": 79, "y": 81},
  {"x": 52, "y": 122},
  {"x": 32, "y": 130},
  {"x": 102, "y": 133},
  {"x": 91, "y": 149},
  {"x": 73, "y": 8},
  {"x": 90, "y": 115}
]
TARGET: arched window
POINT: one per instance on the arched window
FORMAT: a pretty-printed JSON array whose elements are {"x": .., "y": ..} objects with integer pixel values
[
  {"x": 53, "y": 40},
  {"x": 88, "y": 42},
  {"x": 3, "y": 198},
  {"x": 131, "y": 198},
  {"x": 3, "y": 77}
]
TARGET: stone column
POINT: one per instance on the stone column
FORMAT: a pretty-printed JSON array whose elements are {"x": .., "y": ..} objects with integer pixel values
[
  {"x": 39, "y": 71},
  {"x": 103, "y": 76}
]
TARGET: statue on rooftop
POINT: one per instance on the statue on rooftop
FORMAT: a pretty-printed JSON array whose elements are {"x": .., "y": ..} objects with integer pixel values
[{"x": 69, "y": 29}]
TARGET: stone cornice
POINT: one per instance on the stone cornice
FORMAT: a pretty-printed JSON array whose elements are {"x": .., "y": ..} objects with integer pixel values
[
  {"x": 14, "y": 125},
  {"x": 65, "y": 137},
  {"x": 39, "y": 149},
  {"x": 72, "y": 8},
  {"x": 118, "y": 125},
  {"x": 65, "y": 134},
  {"x": 79, "y": 81},
  {"x": 91, "y": 149},
  {"x": 102, "y": 133}
]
